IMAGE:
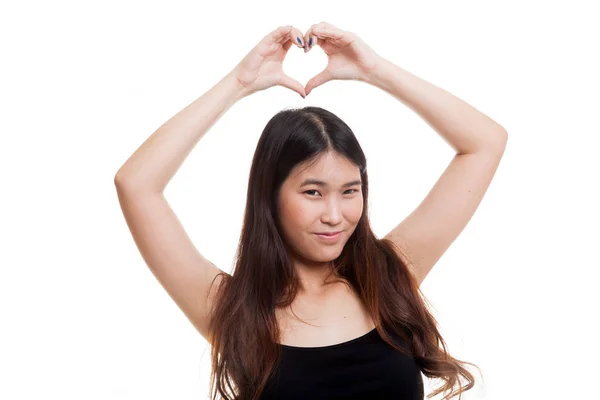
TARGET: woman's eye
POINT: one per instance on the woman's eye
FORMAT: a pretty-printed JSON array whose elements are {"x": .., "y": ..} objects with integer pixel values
[{"x": 350, "y": 190}]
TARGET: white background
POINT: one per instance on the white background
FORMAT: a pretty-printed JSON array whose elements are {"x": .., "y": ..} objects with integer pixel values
[{"x": 84, "y": 84}]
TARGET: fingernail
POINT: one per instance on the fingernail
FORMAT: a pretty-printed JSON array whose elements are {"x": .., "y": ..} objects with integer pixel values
[
  {"x": 310, "y": 42},
  {"x": 299, "y": 41}
]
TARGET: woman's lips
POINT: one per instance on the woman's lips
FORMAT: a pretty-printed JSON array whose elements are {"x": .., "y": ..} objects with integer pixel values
[{"x": 329, "y": 238}]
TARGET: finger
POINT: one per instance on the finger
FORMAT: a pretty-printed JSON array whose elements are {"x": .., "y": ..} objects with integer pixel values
[
  {"x": 312, "y": 40},
  {"x": 286, "y": 46},
  {"x": 293, "y": 84},
  {"x": 283, "y": 34},
  {"x": 318, "y": 80},
  {"x": 322, "y": 31},
  {"x": 279, "y": 34},
  {"x": 296, "y": 37},
  {"x": 309, "y": 39},
  {"x": 291, "y": 38},
  {"x": 327, "y": 31}
]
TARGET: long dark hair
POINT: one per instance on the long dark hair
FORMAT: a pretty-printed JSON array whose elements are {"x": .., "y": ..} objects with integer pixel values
[{"x": 243, "y": 329}]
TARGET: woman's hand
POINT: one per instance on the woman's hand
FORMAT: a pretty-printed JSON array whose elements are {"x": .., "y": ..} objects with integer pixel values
[
  {"x": 349, "y": 57},
  {"x": 262, "y": 66}
]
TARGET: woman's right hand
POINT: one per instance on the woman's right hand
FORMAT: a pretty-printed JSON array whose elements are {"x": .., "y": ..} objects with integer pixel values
[{"x": 262, "y": 66}]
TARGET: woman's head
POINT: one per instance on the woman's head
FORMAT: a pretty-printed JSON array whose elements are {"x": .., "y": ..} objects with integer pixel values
[
  {"x": 278, "y": 246},
  {"x": 320, "y": 196},
  {"x": 298, "y": 149}
]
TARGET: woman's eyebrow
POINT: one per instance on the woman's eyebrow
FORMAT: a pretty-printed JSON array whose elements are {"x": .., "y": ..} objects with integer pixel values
[{"x": 311, "y": 181}]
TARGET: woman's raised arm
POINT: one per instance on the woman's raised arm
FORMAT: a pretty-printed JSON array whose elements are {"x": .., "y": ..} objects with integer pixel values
[
  {"x": 155, "y": 162},
  {"x": 186, "y": 275}
]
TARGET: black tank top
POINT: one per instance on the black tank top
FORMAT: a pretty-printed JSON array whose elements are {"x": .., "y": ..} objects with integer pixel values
[{"x": 362, "y": 368}]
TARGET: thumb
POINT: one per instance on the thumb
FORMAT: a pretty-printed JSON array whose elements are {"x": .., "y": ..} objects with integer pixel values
[
  {"x": 318, "y": 80},
  {"x": 293, "y": 84}
]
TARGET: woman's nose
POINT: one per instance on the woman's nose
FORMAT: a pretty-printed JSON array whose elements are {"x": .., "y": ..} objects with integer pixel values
[{"x": 332, "y": 213}]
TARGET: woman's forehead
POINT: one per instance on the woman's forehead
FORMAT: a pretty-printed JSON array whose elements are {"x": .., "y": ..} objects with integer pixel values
[{"x": 329, "y": 169}]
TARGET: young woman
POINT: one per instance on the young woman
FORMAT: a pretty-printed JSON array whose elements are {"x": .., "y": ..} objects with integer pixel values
[{"x": 317, "y": 307}]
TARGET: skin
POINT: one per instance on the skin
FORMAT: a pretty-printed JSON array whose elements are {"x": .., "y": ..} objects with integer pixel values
[{"x": 314, "y": 208}]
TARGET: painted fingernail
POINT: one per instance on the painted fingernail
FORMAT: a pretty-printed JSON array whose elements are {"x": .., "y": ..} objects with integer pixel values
[
  {"x": 310, "y": 42},
  {"x": 299, "y": 41}
]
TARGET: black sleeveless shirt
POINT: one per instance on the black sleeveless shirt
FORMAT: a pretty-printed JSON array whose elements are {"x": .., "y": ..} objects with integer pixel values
[{"x": 363, "y": 368}]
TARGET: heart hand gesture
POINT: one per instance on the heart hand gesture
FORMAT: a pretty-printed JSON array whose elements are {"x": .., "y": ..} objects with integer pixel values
[{"x": 349, "y": 58}]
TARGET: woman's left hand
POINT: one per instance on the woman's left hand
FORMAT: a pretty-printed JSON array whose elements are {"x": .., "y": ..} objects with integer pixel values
[{"x": 350, "y": 58}]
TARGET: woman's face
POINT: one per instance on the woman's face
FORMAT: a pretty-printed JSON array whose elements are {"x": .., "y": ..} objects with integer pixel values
[{"x": 306, "y": 209}]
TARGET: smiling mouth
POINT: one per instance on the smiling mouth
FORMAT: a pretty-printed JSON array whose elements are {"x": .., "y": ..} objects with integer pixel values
[
  {"x": 326, "y": 237},
  {"x": 328, "y": 233}
]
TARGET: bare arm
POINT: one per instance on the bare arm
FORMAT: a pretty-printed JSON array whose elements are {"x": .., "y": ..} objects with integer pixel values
[
  {"x": 157, "y": 160},
  {"x": 183, "y": 272}
]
